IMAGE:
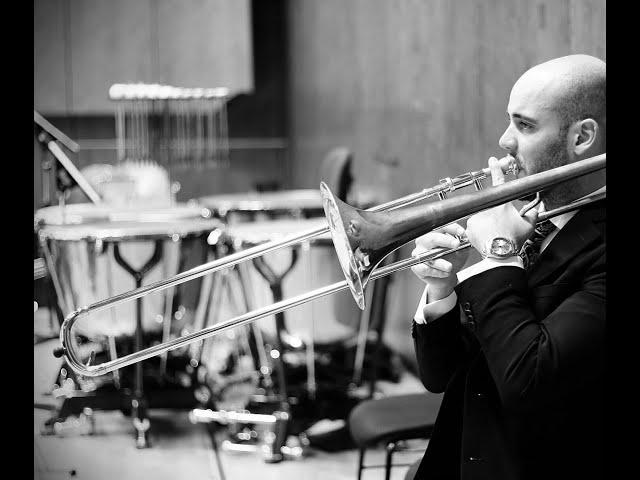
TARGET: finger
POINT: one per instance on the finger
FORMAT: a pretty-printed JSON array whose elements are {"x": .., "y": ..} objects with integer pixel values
[
  {"x": 469, "y": 235},
  {"x": 441, "y": 265},
  {"x": 453, "y": 229},
  {"x": 425, "y": 272},
  {"x": 438, "y": 265},
  {"x": 421, "y": 272},
  {"x": 497, "y": 175},
  {"x": 506, "y": 163},
  {"x": 437, "y": 239}
]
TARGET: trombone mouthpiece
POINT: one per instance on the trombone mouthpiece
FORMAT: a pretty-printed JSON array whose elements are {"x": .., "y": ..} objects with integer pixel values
[{"x": 511, "y": 166}]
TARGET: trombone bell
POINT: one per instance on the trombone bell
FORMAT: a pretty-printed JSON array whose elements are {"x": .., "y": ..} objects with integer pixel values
[{"x": 352, "y": 267}]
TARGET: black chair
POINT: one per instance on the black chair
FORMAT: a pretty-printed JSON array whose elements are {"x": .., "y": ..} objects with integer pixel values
[
  {"x": 335, "y": 171},
  {"x": 390, "y": 421}
]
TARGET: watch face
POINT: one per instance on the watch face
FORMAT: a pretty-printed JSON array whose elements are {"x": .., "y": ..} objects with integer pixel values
[{"x": 501, "y": 247}]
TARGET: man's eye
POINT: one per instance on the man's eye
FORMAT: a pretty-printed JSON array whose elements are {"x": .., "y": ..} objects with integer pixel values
[{"x": 524, "y": 126}]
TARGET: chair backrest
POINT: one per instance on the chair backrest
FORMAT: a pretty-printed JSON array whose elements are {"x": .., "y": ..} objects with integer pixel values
[{"x": 335, "y": 171}]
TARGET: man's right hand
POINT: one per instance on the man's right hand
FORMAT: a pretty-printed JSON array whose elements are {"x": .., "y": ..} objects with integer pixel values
[{"x": 440, "y": 274}]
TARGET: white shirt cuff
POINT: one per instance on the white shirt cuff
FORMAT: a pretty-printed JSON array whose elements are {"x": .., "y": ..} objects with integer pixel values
[
  {"x": 427, "y": 312},
  {"x": 487, "y": 264},
  {"x": 430, "y": 311}
]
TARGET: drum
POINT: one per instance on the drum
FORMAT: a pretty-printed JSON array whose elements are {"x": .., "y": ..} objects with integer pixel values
[
  {"x": 323, "y": 320},
  {"x": 98, "y": 251},
  {"x": 244, "y": 206}
]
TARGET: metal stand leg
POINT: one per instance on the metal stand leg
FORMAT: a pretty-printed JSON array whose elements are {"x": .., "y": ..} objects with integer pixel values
[
  {"x": 255, "y": 334},
  {"x": 391, "y": 447},
  {"x": 211, "y": 429},
  {"x": 138, "y": 403},
  {"x": 360, "y": 462},
  {"x": 275, "y": 284}
]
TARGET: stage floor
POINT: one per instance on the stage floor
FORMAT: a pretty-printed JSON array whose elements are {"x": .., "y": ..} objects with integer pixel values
[{"x": 179, "y": 449}]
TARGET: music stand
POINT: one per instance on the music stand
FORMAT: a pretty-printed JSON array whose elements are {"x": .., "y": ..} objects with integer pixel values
[{"x": 49, "y": 137}]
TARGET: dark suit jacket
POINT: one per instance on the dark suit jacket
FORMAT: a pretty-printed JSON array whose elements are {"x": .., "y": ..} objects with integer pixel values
[{"x": 521, "y": 362}]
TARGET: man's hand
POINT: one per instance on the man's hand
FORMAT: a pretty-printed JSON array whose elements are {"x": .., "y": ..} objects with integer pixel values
[
  {"x": 440, "y": 274},
  {"x": 501, "y": 221}
]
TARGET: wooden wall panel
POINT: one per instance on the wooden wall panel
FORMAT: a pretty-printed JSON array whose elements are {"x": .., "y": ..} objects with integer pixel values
[
  {"x": 425, "y": 82},
  {"x": 110, "y": 43},
  {"x": 588, "y": 27},
  {"x": 49, "y": 56},
  {"x": 82, "y": 47},
  {"x": 204, "y": 43}
]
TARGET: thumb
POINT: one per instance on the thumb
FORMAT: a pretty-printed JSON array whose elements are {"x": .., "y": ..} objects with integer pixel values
[{"x": 497, "y": 176}]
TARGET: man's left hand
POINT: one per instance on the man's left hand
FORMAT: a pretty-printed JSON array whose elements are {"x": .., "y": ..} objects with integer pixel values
[{"x": 501, "y": 221}]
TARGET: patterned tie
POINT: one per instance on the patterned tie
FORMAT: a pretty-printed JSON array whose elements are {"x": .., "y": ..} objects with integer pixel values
[{"x": 530, "y": 250}]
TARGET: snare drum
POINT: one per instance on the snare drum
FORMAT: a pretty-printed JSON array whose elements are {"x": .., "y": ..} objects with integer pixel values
[
  {"x": 322, "y": 320},
  {"x": 81, "y": 242},
  {"x": 265, "y": 205}
]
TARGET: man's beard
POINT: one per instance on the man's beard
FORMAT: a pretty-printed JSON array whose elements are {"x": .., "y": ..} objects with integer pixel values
[{"x": 555, "y": 155}]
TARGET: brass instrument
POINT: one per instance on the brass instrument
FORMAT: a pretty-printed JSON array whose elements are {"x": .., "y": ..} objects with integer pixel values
[{"x": 363, "y": 238}]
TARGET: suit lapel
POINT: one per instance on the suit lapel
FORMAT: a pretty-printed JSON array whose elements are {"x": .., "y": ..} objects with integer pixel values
[{"x": 577, "y": 236}]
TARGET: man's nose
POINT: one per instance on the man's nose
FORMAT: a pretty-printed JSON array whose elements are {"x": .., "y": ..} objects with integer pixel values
[{"x": 508, "y": 141}]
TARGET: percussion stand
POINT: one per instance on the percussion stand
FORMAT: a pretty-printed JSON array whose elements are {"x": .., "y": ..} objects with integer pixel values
[
  {"x": 213, "y": 289},
  {"x": 138, "y": 402},
  {"x": 281, "y": 338},
  {"x": 275, "y": 285},
  {"x": 274, "y": 448},
  {"x": 260, "y": 356}
]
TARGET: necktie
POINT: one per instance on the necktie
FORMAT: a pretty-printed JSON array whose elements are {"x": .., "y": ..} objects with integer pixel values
[{"x": 530, "y": 250}]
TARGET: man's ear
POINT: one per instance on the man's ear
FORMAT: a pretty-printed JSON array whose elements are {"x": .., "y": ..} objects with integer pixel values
[{"x": 584, "y": 136}]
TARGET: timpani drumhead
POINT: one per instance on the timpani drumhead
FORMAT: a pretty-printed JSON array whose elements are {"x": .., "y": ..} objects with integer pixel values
[
  {"x": 283, "y": 203},
  {"x": 87, "y": 213}
]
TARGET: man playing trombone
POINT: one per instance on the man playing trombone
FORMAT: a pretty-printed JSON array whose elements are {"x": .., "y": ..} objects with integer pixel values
[{"x": 517, "y": 340}]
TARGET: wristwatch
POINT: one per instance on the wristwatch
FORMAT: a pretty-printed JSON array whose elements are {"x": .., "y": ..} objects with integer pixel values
[{"x": 500, "y": 247}]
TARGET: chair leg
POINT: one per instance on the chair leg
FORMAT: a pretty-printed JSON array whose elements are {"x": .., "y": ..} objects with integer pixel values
[
  {"x": 391, "y": 447},
  {"x": 360, "y": 463}
]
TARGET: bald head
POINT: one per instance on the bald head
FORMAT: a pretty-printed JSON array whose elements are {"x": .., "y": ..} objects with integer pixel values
[
  {"x": 573, "y": 86},
  {"x": 557, "y": 115}
]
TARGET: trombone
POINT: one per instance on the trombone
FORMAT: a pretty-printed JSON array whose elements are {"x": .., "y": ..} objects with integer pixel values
[{"x": 362, "y": 238}]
